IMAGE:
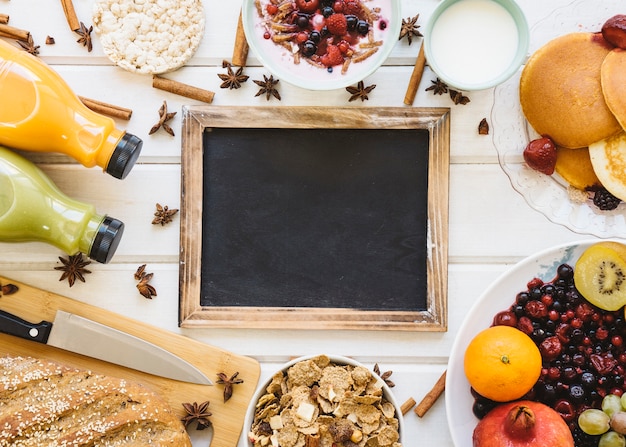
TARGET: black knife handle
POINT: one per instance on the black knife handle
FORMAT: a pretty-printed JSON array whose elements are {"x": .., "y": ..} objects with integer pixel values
[{"x": 12, "y": 325}]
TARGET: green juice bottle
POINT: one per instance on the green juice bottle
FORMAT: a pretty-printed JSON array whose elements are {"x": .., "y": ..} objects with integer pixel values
[{"x": 32, "y": 208}]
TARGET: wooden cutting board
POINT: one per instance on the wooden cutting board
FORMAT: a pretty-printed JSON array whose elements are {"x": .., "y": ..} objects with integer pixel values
[{"x": 34, "y": 305}]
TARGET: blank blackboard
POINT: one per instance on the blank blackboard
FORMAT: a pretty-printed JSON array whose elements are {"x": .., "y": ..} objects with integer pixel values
[
  {"x": 302, "y": 214},
  {"x": 315, "y": 218}
]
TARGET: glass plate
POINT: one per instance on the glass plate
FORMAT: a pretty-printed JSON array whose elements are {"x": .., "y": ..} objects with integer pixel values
[
  {"x": 511, "y": 133},
  {"x": 499, "y": 296}
]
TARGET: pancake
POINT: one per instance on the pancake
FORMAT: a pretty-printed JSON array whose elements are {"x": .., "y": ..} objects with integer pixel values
[
  {"x": 613, "y": 76},
  {"x": 561, "y": 94},
  {"x": 608, "y": 158},
  {"x": 574, "y": 165}
]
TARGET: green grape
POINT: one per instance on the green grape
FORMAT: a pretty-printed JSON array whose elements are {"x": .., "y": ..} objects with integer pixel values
[
  {"x": 594, "y": 421},
  {"x": 612, "y": 439},
  {"x": 623, "y": 399},
  {"x": 611, "y": 404}
]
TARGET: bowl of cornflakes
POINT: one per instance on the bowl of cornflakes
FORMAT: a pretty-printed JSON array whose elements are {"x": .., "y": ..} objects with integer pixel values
[
  {"x": 321, "y": 44},
  {"x": 323, "y": 400}
]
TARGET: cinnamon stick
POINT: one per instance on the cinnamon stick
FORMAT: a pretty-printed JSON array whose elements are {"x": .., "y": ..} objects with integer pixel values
[
  {"x": 416, "y": 77},
  {"x": 240, "y": 52},
  {"x": 4, "y": 19},
  {"x": 431, "y": 397},
  {"x": 178, "y": 88},
  {"x": 70, "y": 14},
  {"x": 14, "y": 33},
  {"x": 405, "y": 407},
  {"x": 107, "y": 109}
]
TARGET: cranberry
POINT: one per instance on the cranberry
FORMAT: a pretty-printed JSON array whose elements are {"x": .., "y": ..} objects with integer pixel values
[
  {"x": 536, "y": 309},
  {"x": 566, "y": 409},
  {"x": 551, "y": 348},
  {"x": 505, "y": 318},
  {"x": 535, "y": 282},
  {"x": 563, "y": 332},
  {"x": 547, "y": 300},
  {"x": 525, "y": 325}
]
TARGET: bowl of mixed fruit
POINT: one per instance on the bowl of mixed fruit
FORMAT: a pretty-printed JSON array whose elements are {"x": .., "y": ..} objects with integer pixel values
[
  {"x": 563, "y": 312},
  {"x": 321, "y": 44}
]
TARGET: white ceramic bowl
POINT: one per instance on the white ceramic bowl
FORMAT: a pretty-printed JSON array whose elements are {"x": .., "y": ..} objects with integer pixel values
[
  {"x": 281, "y": 64},
  {"x": 476, "y": 44},
  {"x": 335, "y": 359},
  {"x": 497, "y": 297}
]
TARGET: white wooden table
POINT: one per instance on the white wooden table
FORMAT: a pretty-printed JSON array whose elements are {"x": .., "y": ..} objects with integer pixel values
[{"x": 491, "y": 227}]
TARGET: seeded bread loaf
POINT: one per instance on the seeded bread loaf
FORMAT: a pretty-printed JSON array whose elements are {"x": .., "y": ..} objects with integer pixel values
[{"x": 43, "y": 403}]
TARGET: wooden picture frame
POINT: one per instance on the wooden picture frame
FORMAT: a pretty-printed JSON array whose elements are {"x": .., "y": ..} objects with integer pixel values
[{"x": 199, "y": 119}]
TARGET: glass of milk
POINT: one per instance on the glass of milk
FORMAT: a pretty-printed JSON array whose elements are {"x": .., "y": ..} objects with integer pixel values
[{"x": 476, "y": 44}]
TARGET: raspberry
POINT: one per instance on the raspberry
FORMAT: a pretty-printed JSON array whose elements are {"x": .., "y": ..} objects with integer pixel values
[
  {"x": 604, "y": 200},
  {"x": 337, "y": 24},
  {"x": 352, "y": 8},
  {"x": 332, "y": 57},
  {"x": 307, "y": 5}
]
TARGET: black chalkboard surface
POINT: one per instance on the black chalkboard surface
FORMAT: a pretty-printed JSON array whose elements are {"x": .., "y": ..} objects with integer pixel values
[
  {"x": 324, "y": 218},
  {"x": 315, "y": 218}
]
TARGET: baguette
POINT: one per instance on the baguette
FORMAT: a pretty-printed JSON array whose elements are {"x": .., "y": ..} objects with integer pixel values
[{"x": 43, "y": 403}]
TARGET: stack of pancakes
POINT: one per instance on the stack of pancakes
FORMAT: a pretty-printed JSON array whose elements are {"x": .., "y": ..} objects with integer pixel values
[{"x": 573, "y": 89}]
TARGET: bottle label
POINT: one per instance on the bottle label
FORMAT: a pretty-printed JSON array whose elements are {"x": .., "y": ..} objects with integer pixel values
[{"x": 17, "y": 90}]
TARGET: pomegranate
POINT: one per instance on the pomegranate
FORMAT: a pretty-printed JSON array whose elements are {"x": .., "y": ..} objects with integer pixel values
[{"x": 522, "y": 424}]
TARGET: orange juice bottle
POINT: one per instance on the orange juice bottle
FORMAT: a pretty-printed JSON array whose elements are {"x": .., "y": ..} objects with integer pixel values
[
  {"x": 39, "y": 112},
  {"x": 32, "y": 208}
]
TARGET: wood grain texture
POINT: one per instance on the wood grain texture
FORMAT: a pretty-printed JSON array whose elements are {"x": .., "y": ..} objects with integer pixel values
[
  {"x": 33, "y": 304},
  {"x": 197, "y": 120}
]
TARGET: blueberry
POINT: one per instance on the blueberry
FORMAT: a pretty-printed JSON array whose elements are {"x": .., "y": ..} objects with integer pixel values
[
  {"x": 352, "y": 21},
  {"x": 309, "y": 48},
  {"x": 315, "y": 36},
  {"x": 577, "y": 393},
  {"x": 362, "y": 27},
  {"x": 302, "y": 21},
  {"x": 327, "y": 11}
]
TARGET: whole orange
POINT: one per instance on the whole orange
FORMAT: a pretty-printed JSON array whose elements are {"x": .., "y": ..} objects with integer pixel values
[{"x": 502, "y": 363}]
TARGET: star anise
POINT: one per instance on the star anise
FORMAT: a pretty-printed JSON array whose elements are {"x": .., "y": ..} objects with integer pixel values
[
  {"x": 268, "y": 87},
  {"x": 197, "y": 413},
  {"x": 232, "y": 79},
  {"x": 85, "y": 36},
  {"x": 163, "y": 215},
  {"x": 410, "y": 29},
  {"x": 458, "y": 97},
  {"x": 8, "y": 289},
  {"x": 360, "y": 91},
  {"x": 385, "y": 376},
  {"x": 146, "y": 289},
  {"x": 228, "y": 383},
  {"x": 73, "y": 268},
  {"x": 29, "y": 46},
  {"x": 438, "y": 88},
  {"x": 164, "y": 117}
]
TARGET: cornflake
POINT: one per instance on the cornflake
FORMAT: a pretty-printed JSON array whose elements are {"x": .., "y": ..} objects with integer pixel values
[{"x": 332, "y": 403}]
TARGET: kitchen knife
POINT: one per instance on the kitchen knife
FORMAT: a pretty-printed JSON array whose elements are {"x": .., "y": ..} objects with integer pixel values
[{"x": 83, "y": 336}]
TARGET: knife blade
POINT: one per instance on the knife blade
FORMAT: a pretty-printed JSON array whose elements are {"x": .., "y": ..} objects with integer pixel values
[{"x": 77, "y": 334}]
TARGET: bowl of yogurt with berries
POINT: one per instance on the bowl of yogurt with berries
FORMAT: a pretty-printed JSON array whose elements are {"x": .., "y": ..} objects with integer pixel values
[{"x": 321, "y": 44}]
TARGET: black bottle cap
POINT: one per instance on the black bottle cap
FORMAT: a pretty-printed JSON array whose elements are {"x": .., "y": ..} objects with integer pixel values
[
  {"x": 124, "y": 156},
  {"x": 107, "y": 239}
]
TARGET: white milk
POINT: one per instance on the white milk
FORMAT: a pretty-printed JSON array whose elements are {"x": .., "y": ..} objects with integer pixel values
[{"x": 474, "y": 41}]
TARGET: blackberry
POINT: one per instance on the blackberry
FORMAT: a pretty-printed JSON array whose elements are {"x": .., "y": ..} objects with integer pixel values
[{"x": 604, "y": 200}]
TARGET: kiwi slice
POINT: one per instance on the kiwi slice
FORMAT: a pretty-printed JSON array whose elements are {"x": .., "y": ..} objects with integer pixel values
[{"x": 600, "y": 275}]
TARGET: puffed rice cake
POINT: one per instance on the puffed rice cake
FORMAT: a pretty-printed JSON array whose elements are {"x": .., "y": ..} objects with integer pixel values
[{"x": 149, "y": 36}]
